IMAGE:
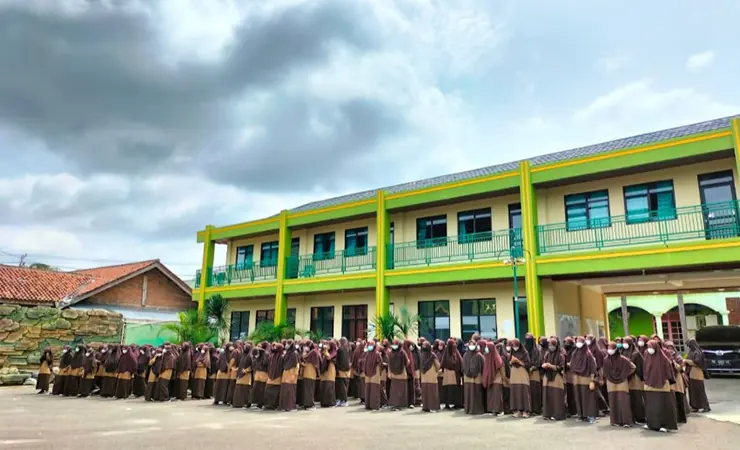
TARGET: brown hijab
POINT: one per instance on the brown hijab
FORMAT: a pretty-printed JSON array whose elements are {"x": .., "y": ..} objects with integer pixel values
[
  {"x": 343, "y": 355},
  {"x": 203, "y": 356},
  {"x": 89, "y": 363},
  {"x": 410, "y": 348},
  {"x": 275, "y": 368},
  {"x": 656, "y": 369},
  {"x": 492, "y": 364},
  {"x": 245, "y": 361},
  {"x": 398, "y": 361},
  {"x": 533, "y": 349},
  {"x": 128, "y": 361},
  {"x": 473, "y": 361},
  {"x": 520, "y": 353},
  {"x": 617, "y": 368},
  {"x": 78, "y": 359},
  {"x": 555, "y": 357},
  {"x": 184, "y": 359},
  {"x": 373, "y": 359},
  {"x": 695, "y": 354},
  {"x": 451, "y": 359},
  {"x": 290, "y": 359},
  {"x": 223, "y": 358},
  {"x": 427, "y": 357},
  {"x": 111, "y": 360},
  {"x": 582, "y": 362}
]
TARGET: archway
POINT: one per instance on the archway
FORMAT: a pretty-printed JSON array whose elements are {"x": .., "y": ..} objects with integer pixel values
[
  {"x": 640, "y": 322},
  {"x": 697, "y": 317}
]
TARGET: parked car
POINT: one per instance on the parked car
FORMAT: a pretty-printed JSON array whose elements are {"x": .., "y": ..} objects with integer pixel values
[{"x": 721, "y": 345}]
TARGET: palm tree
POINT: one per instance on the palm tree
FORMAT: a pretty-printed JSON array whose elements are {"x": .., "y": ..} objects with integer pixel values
[
  {"x": 406, "y": 323},
  {"x": 215, "y": 309},
  {"x": 268, "y": 331},
  {"x": 192, "y": 326},
  {"x": 384, "y": 327}
]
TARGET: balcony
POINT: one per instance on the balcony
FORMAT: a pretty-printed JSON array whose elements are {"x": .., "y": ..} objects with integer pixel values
[
  {"x": 239, "y": 273},
  {"x": 339, "y": 262},
  {"x": 452, "y": 249},
  {"x": 699, "y": 222}
]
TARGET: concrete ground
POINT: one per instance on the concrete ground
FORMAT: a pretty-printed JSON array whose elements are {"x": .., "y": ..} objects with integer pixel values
[{"x": 28, "y": 420}]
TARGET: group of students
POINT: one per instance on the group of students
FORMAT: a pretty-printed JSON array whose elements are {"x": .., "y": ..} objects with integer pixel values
[{"x": 633, "y": 380}]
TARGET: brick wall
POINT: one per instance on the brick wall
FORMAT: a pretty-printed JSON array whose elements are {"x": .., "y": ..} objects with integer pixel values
[
  {"x": 161, "y": 293},
  {"x": 733, "y": 306}
]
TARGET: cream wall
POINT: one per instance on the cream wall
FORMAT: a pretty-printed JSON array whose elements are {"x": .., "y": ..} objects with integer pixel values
[
  {"x": 571, "y": 299},
  {"x": 252, "y": 305},
  {"x": 255, "y": 241},
  {"x": 306, "y": 235},
  {"x": 304, "y": 303},
  {"x": 405, "y": 222},
  {"x": 551, "y": 201}
]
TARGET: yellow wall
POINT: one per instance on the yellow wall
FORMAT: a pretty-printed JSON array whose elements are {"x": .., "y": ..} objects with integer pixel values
[
  {"x": 307, "y": 234},
  {"x": 405, "y": 222},
  {"x": 551, "y": 202},
  {"x": 255, "y": 241},
  {"x": 252, "y": 305},
  {"x": 304, "y": 303}
]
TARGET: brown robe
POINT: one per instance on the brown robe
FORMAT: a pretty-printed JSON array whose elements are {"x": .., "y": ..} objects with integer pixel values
[
  {"x": 398, "y": 373},
  {"x": 429, "y": 388},
  {"x": 617, "y": 370},
  {"x": 373, "y": 380},
  {"x": 42, "y": 382},
  {"x": 327, "y": 393},
  {"x": 473, "y": 382},
  {"x": 289, "y": 381},
  {"x": 553, "y": 385}
]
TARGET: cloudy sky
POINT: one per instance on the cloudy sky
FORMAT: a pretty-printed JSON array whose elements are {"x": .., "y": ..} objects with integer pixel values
[{"x": 127, "y": 125}]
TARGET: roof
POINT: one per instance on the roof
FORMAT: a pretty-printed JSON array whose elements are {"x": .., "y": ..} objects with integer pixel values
[
  {"x": 580, "y": 152},
  {"x": 136, "y": 314},
  {"x": 34, "y": 286}
]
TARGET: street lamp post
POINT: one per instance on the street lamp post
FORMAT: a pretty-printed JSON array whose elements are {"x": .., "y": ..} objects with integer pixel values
[{"x": 514, "y": 262}]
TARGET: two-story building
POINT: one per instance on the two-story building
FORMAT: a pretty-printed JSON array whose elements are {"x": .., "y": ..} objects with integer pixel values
[{"x": 534, "y": 245}]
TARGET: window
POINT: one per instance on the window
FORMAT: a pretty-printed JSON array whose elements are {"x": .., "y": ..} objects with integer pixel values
[
  {"x": 478, "y": 316},
  {"x": 650, "y": 202},
  {"x": 473, "y": 226},
  {"x": 434, "y": 320},
  {"x": 323, "y": 246},
  {"x": 587, "y": 210},
  {"x": 239, "y": 325},
  {"x": 522, "y": 317},
  {"x": 431, "y": 231},
  {"x": 295, "y": 246},
  {"x": 392, "y": 234},
  {"x": 354, "y": 322},
  {"x": 268, "y": 315},
  {"x": 515, "y": 216},
  {"x": 355, "y": 242},
  {"x": 269, "y": 254},
  {"x": 322, "y": 320},
  {"x": 244, "y": 256},
  {"x": 516, "y": 244}
]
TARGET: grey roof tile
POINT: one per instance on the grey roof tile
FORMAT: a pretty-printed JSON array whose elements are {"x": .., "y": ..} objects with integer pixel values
[{"x": 633, "y": 141}]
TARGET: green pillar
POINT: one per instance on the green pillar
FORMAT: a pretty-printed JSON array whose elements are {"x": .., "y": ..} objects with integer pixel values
[
  {"x": 735, "y": 127},
  {"x": 382, "y": 293},
  {"x": 531, "y": 250},
  {"x": 281, "y": 302},
  {"x": 209, "y": 248}
]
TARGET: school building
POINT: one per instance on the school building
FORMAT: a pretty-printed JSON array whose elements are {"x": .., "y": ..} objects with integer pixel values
[{"x": 537, "y": 245}]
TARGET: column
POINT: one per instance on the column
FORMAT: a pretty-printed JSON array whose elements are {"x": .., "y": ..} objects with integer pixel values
[
  {"x": 625, "y": 316},
  {"x": 284, "y": 237},
  {"x": 682, "y": 316},
  {"x": 659, "y": 324},
  {"x": 735, "y": 128},
  {"x": 531, "y": 251},
  {"x": 382, "y": 293},
  {"x": 725, "y": 318},
  {"x": 206, "y": 266}
]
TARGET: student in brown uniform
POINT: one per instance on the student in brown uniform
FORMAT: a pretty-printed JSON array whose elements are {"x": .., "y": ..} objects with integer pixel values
[
  {"x": 660, "y": 402},
  {"x": 274, "y": 377},
  {"x": 222, "y": 375},
  {"x": 100, "y": 357},
  {"x": 142, "y": 364},
  {"x": 697, "y": 366},
  {"x": 72, "y": 386},
  {"x": 429, "y": 368},
  {"x": 553, "y": 382},
  {"x": 452, "y": 395},
  {"x": 108, "y": 387},
  {"x": 124, "y": 372},
  {"x": 243, "y": 389},
  {"x": 358, "y": 365},
  {"x": 520, "y": 400},
  {"x": 492, "y": 380},
  {"x": 679, "y": 388},
  {"x": 617, "y": 370},
  {"x": 182, "y": 372},
  {"x": 234, "y": 355},
  {"x": 399, "y": 371},
  {"x": 212, "y": 371},
  {"x": 200, "y": 374},
  {"x": 289, "y": 382},
  {"x": 89, "y": 366},
  {"x": 412, "y": 351},
  {"x": 60, "y": 378},
  {"x": 438, "y": 349},
  {"x": 311, "y": 369},
  {"x": 569, "y": 347},
  {"x": 472, "y": 369},
  {"x": 169, "y": 359},
  {"x": 260, "y": 365},
  {"x": 47, "y": 362},
  {"x": 327, "y": 393},
  {"x": 535, "y": 373},
  {"x": 373, "y": 383},
  {"x": 155, "y": 368},
  {"x": 636, "y": 385},
  {"x": 344, "y": 372},
  {"x": 583, "y": 366}
]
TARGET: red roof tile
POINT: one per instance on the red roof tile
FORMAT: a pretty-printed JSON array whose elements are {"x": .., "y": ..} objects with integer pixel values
[
  {"x": 24, "y": 285},
  {"x": 108, "y": 274}
]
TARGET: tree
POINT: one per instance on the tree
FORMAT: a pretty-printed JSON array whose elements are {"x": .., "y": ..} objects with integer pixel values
[
  {"x": 400, "y": 325},
  {"x": 192, "y": 326},
  {"x": 42, "y": 266},
  {"x": 407, "y": 323},
  {"x": 215, "y": 309},
  {"x": 268, "y": 331}
]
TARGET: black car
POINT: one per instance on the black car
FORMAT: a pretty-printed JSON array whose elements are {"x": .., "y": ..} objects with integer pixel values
[{"x": 721, "y": 345}]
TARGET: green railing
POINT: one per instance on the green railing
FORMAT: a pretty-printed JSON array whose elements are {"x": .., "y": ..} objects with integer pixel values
[
  {"x": 240, "y": 273},
  {"x": 342, "y": 261},
  {"x": 708, "y": 221},
  {"x": 470, "y": 247}
]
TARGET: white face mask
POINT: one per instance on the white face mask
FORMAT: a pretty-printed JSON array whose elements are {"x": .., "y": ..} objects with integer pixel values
[
  {"x": 651, "y": 351},
  {"x": 103, "y": 351},
  {"x": 625, "y": 346},
  {"x": 641, "y": 343},
  {"x": 486, "y": 350},
  {"x": 370, "y": 348},
  {"x": 611, "y": 351},
  {"x": 579, "y": 344},
  {"x": 471, "y": 347},
  {"x": 202, "y": 351},
  {"x": 588, "y": 341},
  {"x": 164, "y": 351},
  {"x": 516, "y": 349},
  {"x": 125, "y": 351},
  {"x": 231, "y": 349},
  {"x": 321, "y": 345},
  {"x": 87, "y": 354},
  {"x": 441, "y": 347},
  {"x": 77, "y": 350},
  {"x": 508, "y": 349},
  {"x": 394, "y": 347}
]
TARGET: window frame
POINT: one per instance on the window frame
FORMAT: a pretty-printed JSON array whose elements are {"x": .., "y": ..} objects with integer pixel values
[
  {"x": 349, "y": 324},
  {"x": 588, "y": 223},
  {"x": 248, "y": 256},
  {"x": 434, "y": 317},
  {"x": 322, "y": 320},
  {"x": 320, "y": 256},
  {"x": 476, "y": 235},
  {"x": 356, "y": 233},
  {"x": 269, "y": 316},
  {"x": 478, "y": 315},
  {"x": 243, "y": 324},
  {"x": 429, "y": 223},
  {"x": 652, "y": 215},
  {"x": 270, "y": 246}
]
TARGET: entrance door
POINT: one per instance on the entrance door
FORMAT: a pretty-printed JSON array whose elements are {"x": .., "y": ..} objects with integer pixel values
[{"x": 718, "y": 205}]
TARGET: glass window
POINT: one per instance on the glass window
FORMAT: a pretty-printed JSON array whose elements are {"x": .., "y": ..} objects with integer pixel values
[
  {"x": 587, "y": 210},
  {"x": 354, "y": 322},
  {"x": 322, "y": 320},
  {"x": 239, "y": 325},
  {"x": 295, "y": 246},
  {"x": 269, "y": 254},
  {"x": 355, "y": 241},
  {"x": 393, "y": 234},
  {"x": 244, "y": 256},
  {"x": 431, "y": 231},
  {"x": 515, "y": 215},
  {"x": 434, "y": 320},
  {"x": 478, "y": 316},
  {"x": 650, "y": 202},
  {"x": 522, "y": 317},
  {"x": 474, "y": 225},
  {"x": 323, "y": 246},
  {"x": 268, "y": 315}
]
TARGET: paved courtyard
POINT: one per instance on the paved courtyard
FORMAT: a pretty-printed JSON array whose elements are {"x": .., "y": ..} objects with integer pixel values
[{"x": 28, "y": 420}]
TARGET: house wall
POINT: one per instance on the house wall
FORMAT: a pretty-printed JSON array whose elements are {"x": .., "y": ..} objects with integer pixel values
[{"x": 162, "y": 293}]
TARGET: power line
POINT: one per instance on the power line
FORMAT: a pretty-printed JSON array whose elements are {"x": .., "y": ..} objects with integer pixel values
[{"x": 39, "y": 256}]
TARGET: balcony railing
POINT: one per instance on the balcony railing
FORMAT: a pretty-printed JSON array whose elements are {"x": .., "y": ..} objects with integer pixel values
[
  {"x": 708, "y": 221},
  {"x": 469, "y": 247},
  {"x": 239, "y": 273},
  {"x": 342, "y": 261}
]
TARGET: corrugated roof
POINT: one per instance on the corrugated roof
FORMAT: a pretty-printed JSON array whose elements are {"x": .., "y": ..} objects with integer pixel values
[{"x": 618, "y": 144}]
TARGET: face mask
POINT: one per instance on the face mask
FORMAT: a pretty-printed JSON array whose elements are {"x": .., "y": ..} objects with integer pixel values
[
  {"x": 65, "y": 350},
  {"x": 651, "y": 351},
  {"x": 394, "y": 347},
  {"x": 370, "y": 348},
  {"x": 77, "y": 350},
  {"x": 516, "y": 349},
  {"x": 202, "y": 351},
  {"x": 579, "y": 344},
  {"x": 321, "y": 345},
  {"x": 588, "y": 341},
  {"x": 413, "y": 349},
  {"x": 641, "y": 343},
  {"x": 471, "y": 347},
  {"x": 625, "y": 346},
  {"x": 125, "y": 351},
  {"x": 619, "y": 345},
  {"x": 551, "y": 348},
  {"x": 441, "y": 347},
  {"x": 508, "y": 349},
  {"x": 611, "y": 351},
  {"x": 231, "y": 349},
  {"x": 87, "y": 354},
  {"x": 486, "y": 350},
  {"x": 164, "y": 351}
]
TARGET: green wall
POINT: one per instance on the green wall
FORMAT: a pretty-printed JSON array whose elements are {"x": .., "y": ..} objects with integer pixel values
[
  {"x": 146, "y": 333},
  {"x": 641, "y": 322}
]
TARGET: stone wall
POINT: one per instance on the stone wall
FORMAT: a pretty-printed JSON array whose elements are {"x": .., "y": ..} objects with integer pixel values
[{"x": 25, "y": 331}]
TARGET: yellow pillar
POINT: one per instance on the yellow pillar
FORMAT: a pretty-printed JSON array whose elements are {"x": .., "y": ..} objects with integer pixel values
[
  {"x": 206, "y": 266},
  {"x": 382, "y": 293},
  {"x": 531, "y": 250},
  {"x": 735, "y": 128},
  {"x": 281, "y": 301}
]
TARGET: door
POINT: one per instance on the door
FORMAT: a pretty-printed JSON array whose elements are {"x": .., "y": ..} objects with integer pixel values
[
  {"x": 719, "y": 206},
  {"x": 521, "y": 318},
  {"x": 515, "y": 230}
]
